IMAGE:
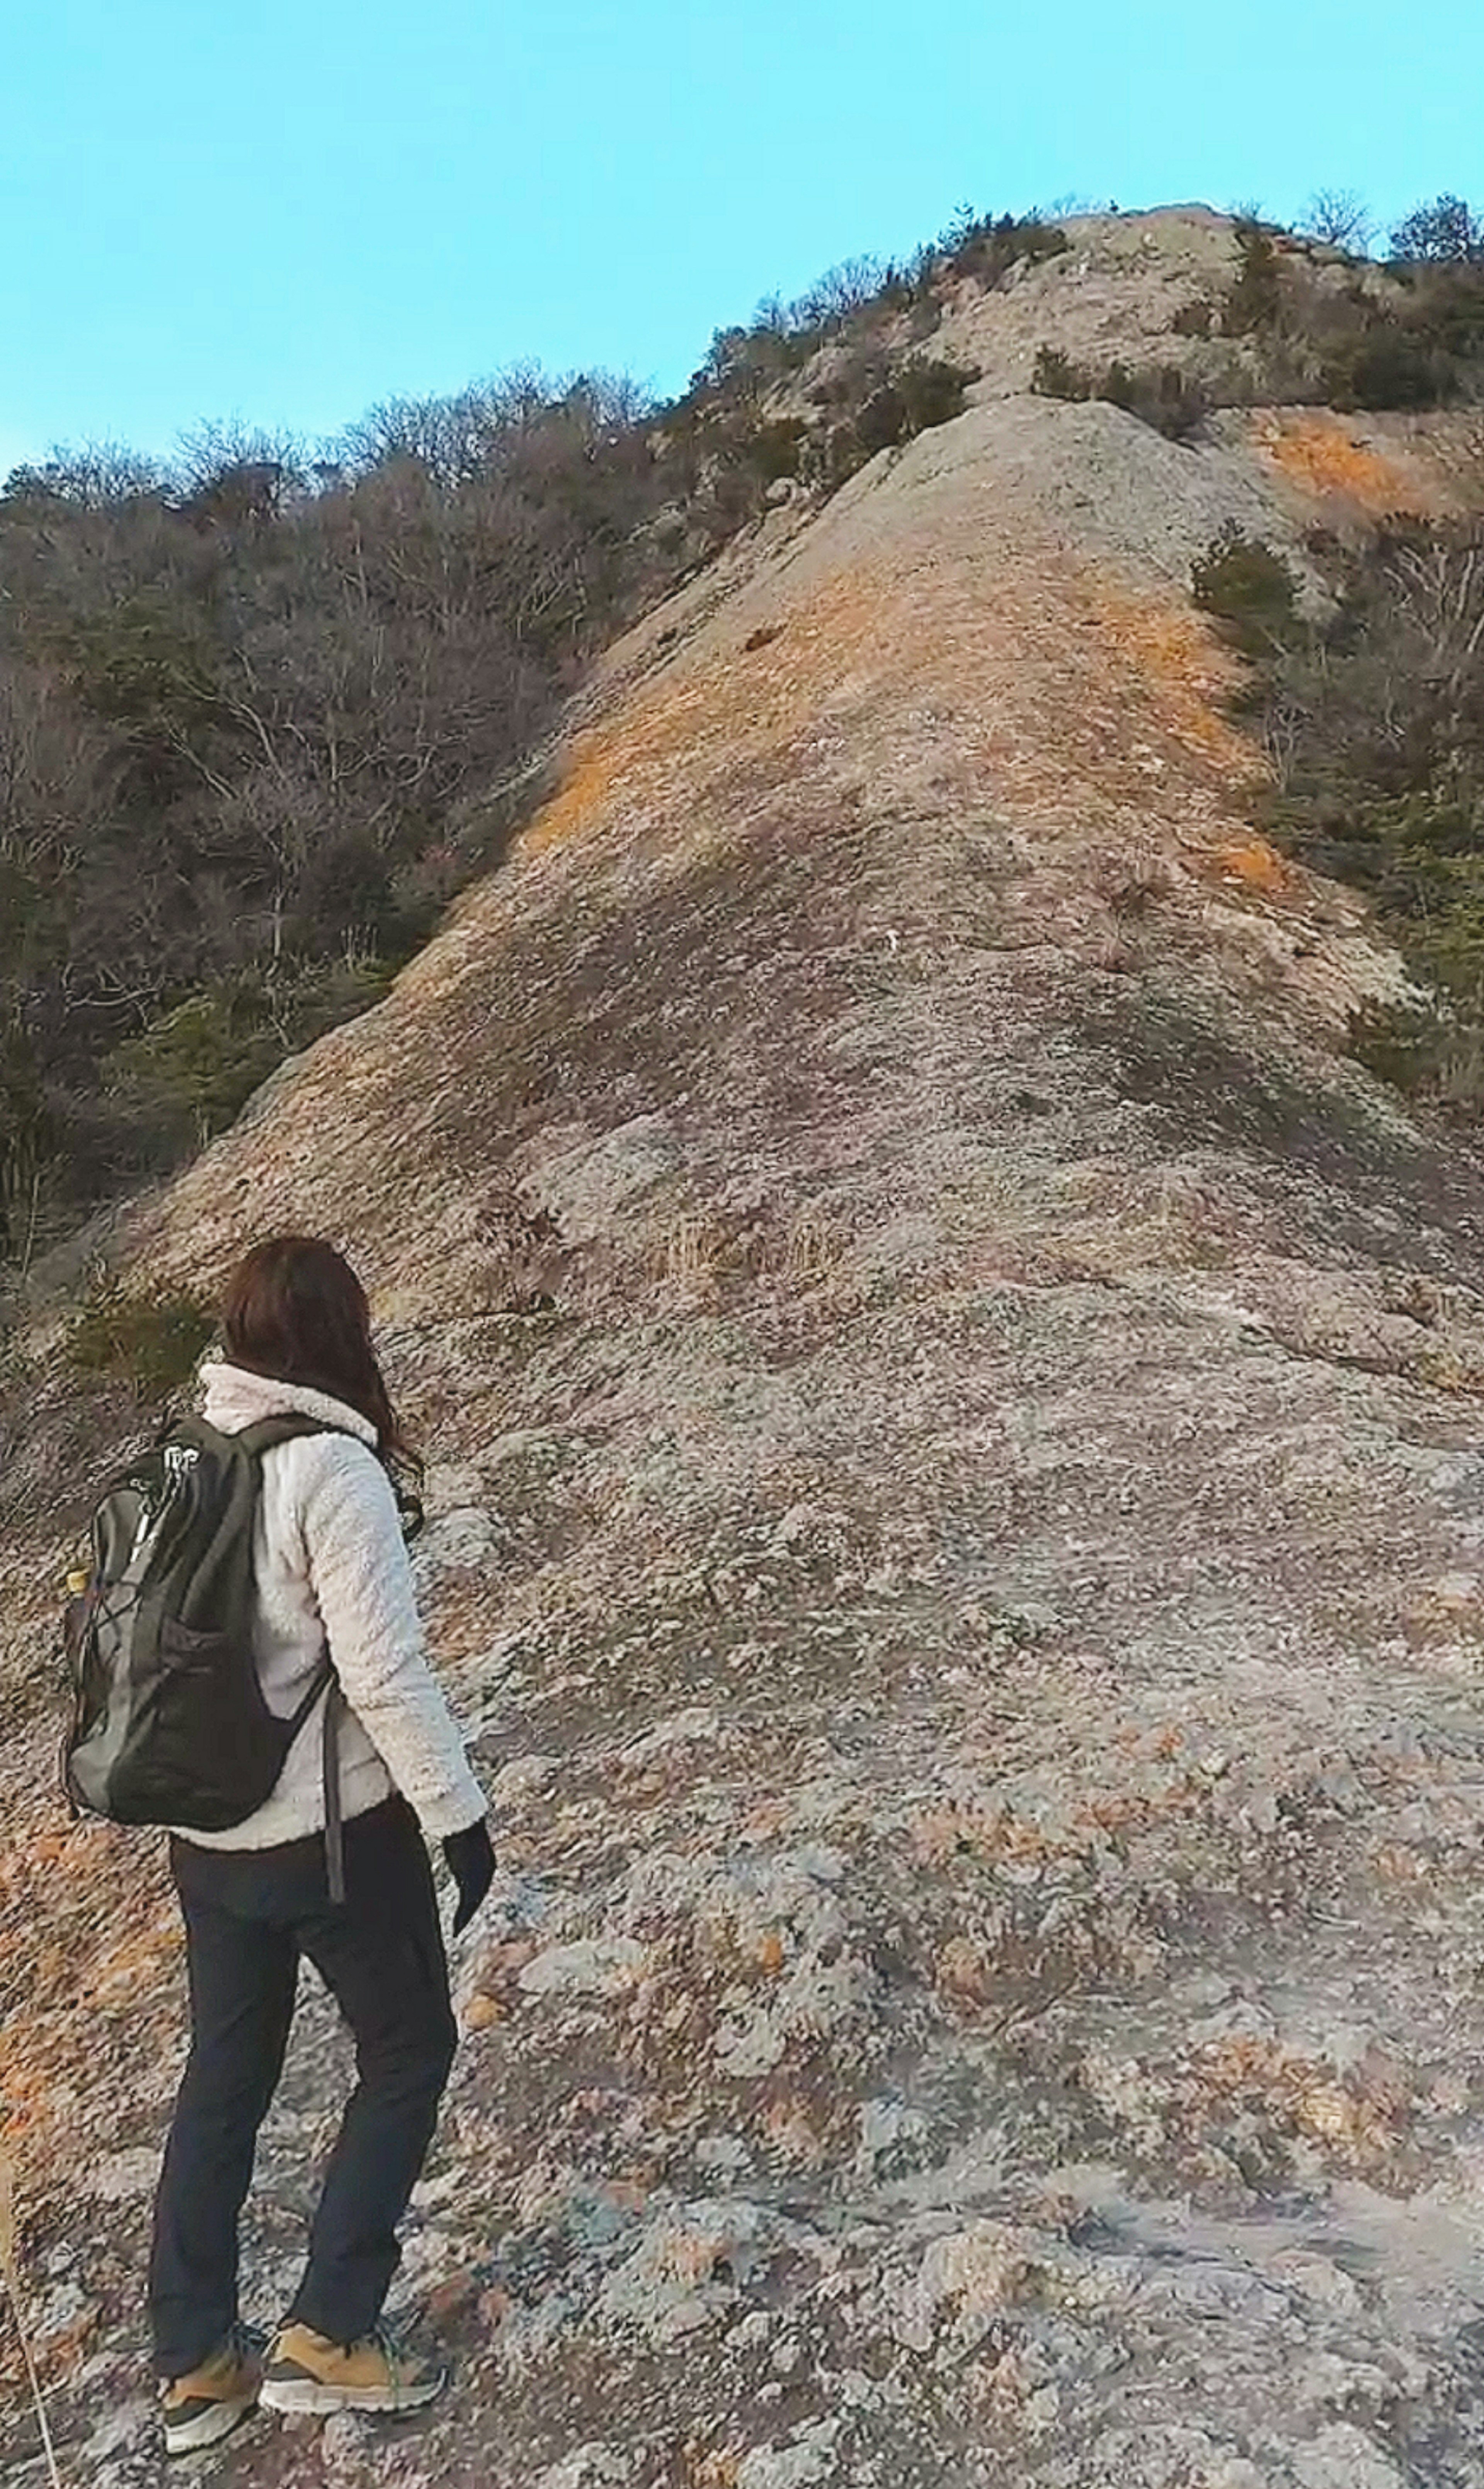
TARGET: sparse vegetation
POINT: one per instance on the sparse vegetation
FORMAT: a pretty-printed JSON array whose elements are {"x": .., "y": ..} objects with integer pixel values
[
  {"x": 987, "y": 247},
  {"x": 1159, "y": 394},
  {"x": 776, "y": 448},
  {"x": 1135, "y": 888},
  {"x": 1411, "y": 336},
  {"x": 188, "y": 1073},
  {"x": 1250, "y": 590},
  {"x": 1055, "y": 375},
  {"x": 1255, "y": 300},
  {"x": 1375, "y": 722},
  {"x": 151, "y": 1342},
  {"x": 1445, "y": 230},
  {"x": 919, "y": 396},
  {"x": 1305, "y": 331},
  {"x": 1339, "y": 217},
  {"x": 853, "y": 306}
]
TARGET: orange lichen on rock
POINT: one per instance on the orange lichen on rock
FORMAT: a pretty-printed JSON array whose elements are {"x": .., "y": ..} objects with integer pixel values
[
  {"x": 726, "y": 705},
  {"x": 1320, "y": 453},
  {"x": 1360, "y": 2116},
  {"x": 1174, "y": 658},
  {"x": 1254, "y": 862},
  {"x": 1001, "y": 653}
]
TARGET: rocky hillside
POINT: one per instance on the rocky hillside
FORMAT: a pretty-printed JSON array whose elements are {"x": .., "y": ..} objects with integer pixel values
[{"x": 957, "y": 1540}]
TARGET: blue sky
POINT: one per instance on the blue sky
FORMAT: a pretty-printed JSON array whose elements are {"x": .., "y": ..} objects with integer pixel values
[{"x": 283, "y": 212}]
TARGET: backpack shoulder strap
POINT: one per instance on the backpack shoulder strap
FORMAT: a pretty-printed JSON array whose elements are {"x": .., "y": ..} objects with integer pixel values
[
  {"x": 256, "y": 1440},
  {"x": 262, "y": 1438}
]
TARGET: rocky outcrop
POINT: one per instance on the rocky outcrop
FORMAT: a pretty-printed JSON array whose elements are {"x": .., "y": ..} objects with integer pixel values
[{"x": 956, "y": 1542}]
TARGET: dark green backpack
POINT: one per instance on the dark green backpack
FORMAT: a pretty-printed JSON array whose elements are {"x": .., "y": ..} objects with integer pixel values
[{"x": 169, "y": 1723}]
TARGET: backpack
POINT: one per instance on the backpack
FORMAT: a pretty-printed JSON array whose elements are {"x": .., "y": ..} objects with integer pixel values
[{"x": 169, "y": 1723}]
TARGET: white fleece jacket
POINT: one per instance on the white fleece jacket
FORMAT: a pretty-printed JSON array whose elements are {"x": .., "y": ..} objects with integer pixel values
[{"x": 329, "y": 1563}]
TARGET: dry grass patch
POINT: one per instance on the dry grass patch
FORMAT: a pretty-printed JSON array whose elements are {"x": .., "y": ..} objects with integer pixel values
[
  {"x": 811, "y": 1248},
  {"x": 1133, "y": 886},
  {"x": 700, "y": 1251},
  {"x": 692, "y": 1255}
]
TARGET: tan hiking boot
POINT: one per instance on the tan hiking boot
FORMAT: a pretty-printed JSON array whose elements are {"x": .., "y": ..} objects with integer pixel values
[
  {"x": 305, "y": 2373},
  {"x": 197, "y": 2410}
]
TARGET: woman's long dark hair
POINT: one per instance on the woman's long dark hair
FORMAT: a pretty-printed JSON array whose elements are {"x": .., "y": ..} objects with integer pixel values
[{"x": 295, "y": 1310}]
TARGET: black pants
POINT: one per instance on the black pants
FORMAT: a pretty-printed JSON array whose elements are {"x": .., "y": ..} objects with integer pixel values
[{"x": 249, "y": 1915}]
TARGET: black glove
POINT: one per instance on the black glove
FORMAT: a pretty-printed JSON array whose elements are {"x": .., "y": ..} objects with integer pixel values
[{"x": 470, "y": 1857}]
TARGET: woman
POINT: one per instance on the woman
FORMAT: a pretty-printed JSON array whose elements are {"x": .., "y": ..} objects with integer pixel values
[{"x": 330, "y": 1564}]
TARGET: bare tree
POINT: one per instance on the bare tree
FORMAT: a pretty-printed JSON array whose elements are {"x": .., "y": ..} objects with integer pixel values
[
  {"x": 838, "y": 293},
  {"x": 450, "y": 438},
  {"x": 209, "y": 452},
  {"x": 1066, "y": 202},
  {"x": 1339, "y": 217},
  {"x": 1445, "y": 229},
  {"x": 250, "y": 705},
  {"x": 89, "y": 478}
]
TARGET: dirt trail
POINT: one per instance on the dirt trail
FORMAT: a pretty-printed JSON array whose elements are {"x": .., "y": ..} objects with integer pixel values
[{"x": 969, "y": 1608}]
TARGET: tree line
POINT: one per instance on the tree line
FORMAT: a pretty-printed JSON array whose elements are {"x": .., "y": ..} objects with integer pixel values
[{"x": 252, "y": 715}]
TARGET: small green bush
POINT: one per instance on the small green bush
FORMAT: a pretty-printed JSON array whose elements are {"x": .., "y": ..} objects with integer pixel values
[
  {"x": 987, "y": 247},
  {"x": 882, "y": 422},
  {"x": 140, "y": 666},
  {"x": 1423, "y": 347},
  {"x": 1400, "y": 1043},
  {"x": 922, "y": 395},
  {"x": 1194, "y": 319},
  {"x": 932, "y": 391},
  {"x": 744, "y": 453},
  {"x": 143, "y": 668},
  {"x": 1159, "y": 394},
  {"x": 201, "y": 1061},
  {"x": 187, "y": 1075},
  {"x": 836, "y": 455},
  {"x": 1389, "y": 367},
  {"x": 150, "y": 1342},
  {"x": 1255, "y": 299},
  {"x": 775, "y": 449},
  {"x": 1055, "y": 375},
  {"x": 1248, "y": 589},
  {"x": 1448, "y": 309}
]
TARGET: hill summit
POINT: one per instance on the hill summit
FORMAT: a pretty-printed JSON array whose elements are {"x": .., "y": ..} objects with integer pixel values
[{"x": 951, "y": 1393}]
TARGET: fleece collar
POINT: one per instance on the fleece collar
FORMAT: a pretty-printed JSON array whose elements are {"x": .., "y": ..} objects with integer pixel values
[{"x": 236, "y": 1398}]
